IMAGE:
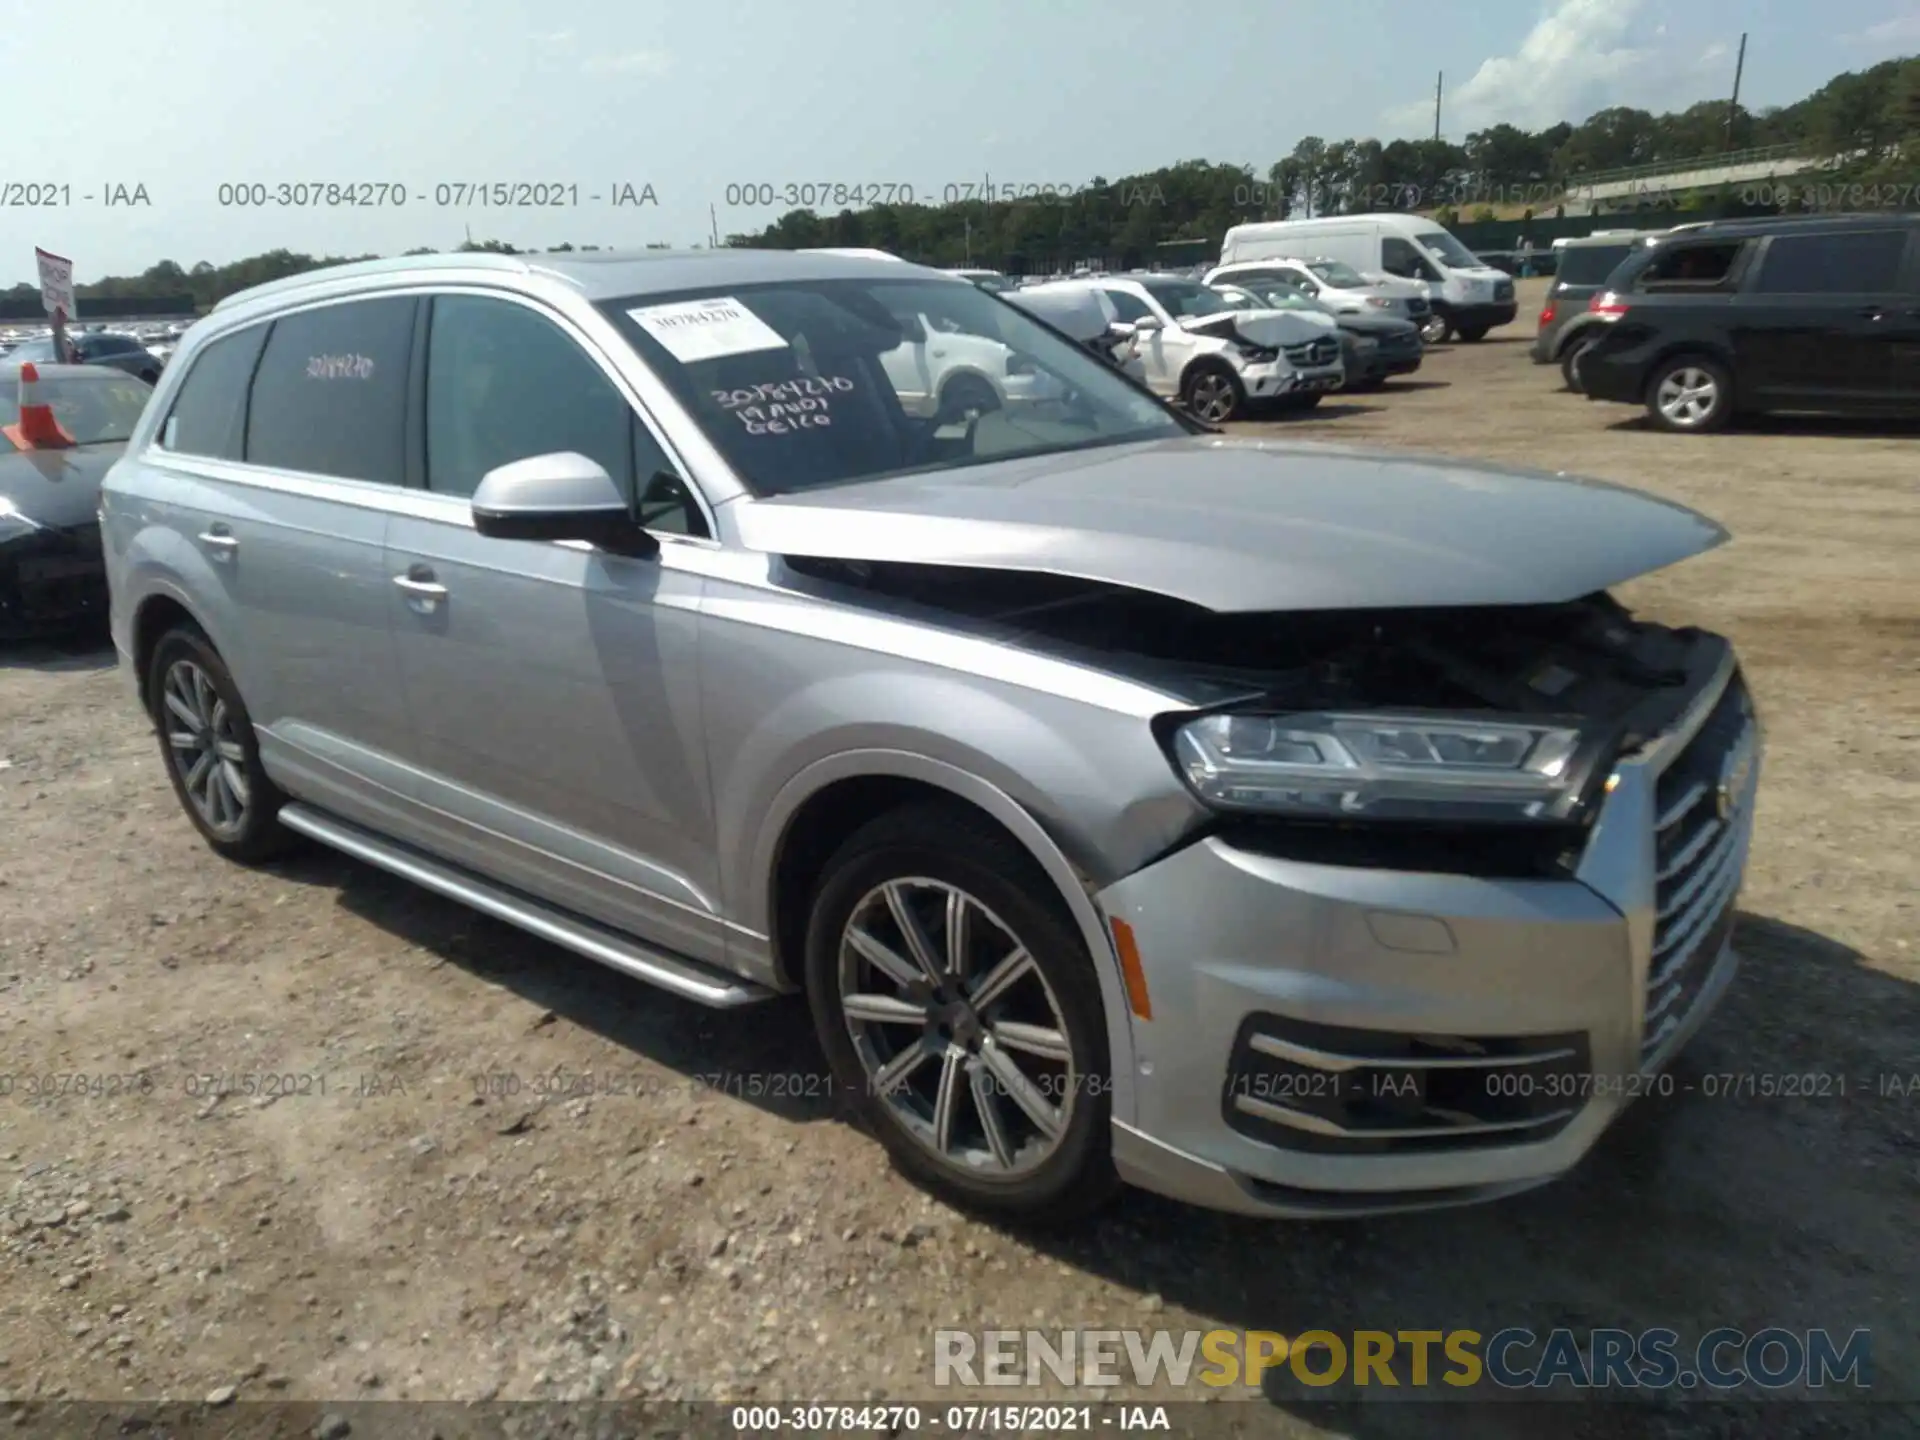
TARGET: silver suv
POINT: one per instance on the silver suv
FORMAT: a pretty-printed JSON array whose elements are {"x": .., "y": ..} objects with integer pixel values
[{"x": 1296, "y": 830}]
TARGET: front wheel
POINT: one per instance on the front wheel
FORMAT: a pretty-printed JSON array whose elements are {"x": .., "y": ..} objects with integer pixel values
[
  {"x": 1213, "y": 393},
  {"x": 1473, "y": 334},
  {"x": 965, "y": 398},
  {"x": 961, "y": 1015},
  {"x": 1690, "y": 394},
  {"x": 212, "y": 757},
  {"x": 1434, "y": 330}
]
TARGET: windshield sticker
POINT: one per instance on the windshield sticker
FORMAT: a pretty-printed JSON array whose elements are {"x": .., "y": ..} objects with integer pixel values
[
  {"x": 707, "y": 329},
  {"x": 339, "y": 367}
]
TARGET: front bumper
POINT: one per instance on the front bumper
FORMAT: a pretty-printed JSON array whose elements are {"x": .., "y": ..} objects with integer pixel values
[
  {"x": 1330, "y": 1040},
  {"x": 1267, "y": 381},
  {"x": 1492, "y": 314}
]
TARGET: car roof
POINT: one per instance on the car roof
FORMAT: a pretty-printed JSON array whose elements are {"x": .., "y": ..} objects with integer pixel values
[
  {"x": 610, "y": 274},
  {"x": 1617, "y": 237},
  {"x": 1745, "y": 227}
]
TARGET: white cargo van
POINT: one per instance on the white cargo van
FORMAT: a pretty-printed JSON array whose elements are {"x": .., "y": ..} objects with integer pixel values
[{"x": 1470, "y": 296}]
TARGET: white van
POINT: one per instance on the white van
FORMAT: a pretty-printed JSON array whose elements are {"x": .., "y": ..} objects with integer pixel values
[{"x": 1470, "y": 296}]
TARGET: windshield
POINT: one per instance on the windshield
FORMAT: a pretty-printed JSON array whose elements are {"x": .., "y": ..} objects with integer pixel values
[
  {"x": 1238, "y": 299},
  {"x": 1279, "y": 296},
  {"x": 1338, "y": 274},
  {"x": 1184, "y": 298},
  {"x": 94, "y": 409},
  {"x": 807, "y": 383},
  {"x": 1451, "y": 251}
]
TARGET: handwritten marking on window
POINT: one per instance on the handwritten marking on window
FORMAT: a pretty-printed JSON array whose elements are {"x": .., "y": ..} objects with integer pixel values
[
  {"x": 785, "y": 418},
  {"x": 339, "y": 367},
  {"x": 782, "y": 390}
]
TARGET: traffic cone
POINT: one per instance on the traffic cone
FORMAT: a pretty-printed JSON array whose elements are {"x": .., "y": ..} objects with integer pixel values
[{"x": 37, "y": 429}]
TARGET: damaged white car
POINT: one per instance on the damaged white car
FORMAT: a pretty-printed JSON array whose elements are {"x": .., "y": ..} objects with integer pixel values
[{"x": 1296, "y": 830}]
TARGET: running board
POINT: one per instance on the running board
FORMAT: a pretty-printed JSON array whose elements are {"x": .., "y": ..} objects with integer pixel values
[{"x": 686, "y": 978}]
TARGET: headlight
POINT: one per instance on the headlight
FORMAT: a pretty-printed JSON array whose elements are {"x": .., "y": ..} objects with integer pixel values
[
  {"x": 1389, "y": 767},
  {"x": 12, "y": 523},
  {"x": 1380, "y": 302}
]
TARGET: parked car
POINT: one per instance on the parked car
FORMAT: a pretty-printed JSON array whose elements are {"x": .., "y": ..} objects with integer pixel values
[
  {"x": 1584, "y": 264},
  {"x": 1217, "y": 361},
  {"x": 51, "y": 464},
  {"x": 1393, "y": 345},
  {"x": 1085, "y": 315},
  {"x": 1337, "y": 285},
  {"x": 1128, "y": 801},
  {"x": 95, "y": 347},
  {"x": 1469, "y": 297},
  {"x": 1817, "y": 314}
]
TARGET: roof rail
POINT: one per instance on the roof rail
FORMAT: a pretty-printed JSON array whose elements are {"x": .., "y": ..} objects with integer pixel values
[{"x": 388, "y": 265}]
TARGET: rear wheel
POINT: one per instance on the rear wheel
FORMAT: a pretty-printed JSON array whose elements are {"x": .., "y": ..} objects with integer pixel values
[
  {"x": 1570, "y": 359},
  {"x": 1434, "y": 330},
  {"x": 1213, "y": 393},
  {"x": 1690, "y": 394},
  {"x": 961, "y": 1015},
  {"x": 212, "y": 757}
]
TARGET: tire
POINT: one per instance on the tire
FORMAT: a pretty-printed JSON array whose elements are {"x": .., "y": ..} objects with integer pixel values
[
  {"x": 1012, "y": 1168},
  {"x": 964, "y": 397},
  {"x": 1213, "y": 393},
  {"x": 1570, "y": 356},
  {"x": 1435, "y": 330},
  {"x": 182, "y": 706},
  {"x": 1474, "y": 334},
  {"x": 1689, "y": 395}
]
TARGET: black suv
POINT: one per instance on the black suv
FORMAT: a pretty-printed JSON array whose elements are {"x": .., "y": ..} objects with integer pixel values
[
  {"x": 1585, "y": 265},
  {"x": 1736, "y": 317}
]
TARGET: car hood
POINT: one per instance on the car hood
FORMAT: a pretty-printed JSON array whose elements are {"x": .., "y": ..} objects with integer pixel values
[
  {"x": 1377, "y": 325},
  {"x": 1236, "y": 525},
  {"x": 1263, "y": 327},
  {"x": 56, "y": 488}
]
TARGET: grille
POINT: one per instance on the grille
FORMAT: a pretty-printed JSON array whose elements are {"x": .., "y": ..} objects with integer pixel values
[
  {"x": 1503, "y": 289},
  {"x": 1703, "y": 821},
  {"x": 1314, "y": 352},
  {"x": 1333, "y": 1090}
]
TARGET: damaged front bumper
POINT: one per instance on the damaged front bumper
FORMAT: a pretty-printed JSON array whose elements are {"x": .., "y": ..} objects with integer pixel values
[{"x": 1332, "y": 1040}]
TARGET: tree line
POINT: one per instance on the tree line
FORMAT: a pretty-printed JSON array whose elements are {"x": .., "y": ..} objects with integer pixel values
[{"x": 1867, "y": 122}]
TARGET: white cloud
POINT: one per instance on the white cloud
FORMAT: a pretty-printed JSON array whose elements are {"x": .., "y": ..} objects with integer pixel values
[
  {"x": 634, "y": 62},
  {"x": 1900, "y": 31},
  {"x": 1575, "y": 61}
]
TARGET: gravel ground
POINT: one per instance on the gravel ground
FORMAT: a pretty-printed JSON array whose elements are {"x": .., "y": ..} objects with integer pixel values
[{"x": 393, "y": 1225}]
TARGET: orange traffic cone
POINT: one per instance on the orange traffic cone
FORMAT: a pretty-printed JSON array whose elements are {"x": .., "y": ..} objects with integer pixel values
[{"x": 36, "y": 429}]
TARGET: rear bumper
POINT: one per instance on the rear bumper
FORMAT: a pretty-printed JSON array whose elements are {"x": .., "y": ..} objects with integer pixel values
[{"x": 1619, "y": 378}]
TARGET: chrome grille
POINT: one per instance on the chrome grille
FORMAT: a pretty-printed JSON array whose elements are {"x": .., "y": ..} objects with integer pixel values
[
  {"x": 1314, "y": 352},
  {"x": 1703, "y": 821}
]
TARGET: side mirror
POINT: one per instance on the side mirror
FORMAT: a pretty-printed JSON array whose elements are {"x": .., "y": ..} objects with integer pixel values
[
  {"x": 562, "y": 496},
  {"x": 1146, "y": 324}
]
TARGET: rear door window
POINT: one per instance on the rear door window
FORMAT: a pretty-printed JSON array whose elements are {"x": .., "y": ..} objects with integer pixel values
[
  {"x": 330, "y": 395},
  {"x": 1702, "y": 266},
  {"x": 209, "y": 414},
  {"x": 1852, "y": 263}
]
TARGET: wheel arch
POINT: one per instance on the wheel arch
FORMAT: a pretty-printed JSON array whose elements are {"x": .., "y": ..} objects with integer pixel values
[{"x": 831, "y": 798}]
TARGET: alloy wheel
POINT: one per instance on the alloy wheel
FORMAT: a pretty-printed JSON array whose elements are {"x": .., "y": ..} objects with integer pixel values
[
  {"x": 959, "y": 1033},
  {"x": 1687, "y": 396},
  {"x": 204, "y": 747},
  {"x": 1211, "y": 397}
]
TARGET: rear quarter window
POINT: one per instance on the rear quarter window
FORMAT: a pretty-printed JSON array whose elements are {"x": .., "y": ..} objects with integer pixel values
[
  {"x": 209, "y": 414},
  {"x": 1851, "y": 262},
  {"x": 1692, "y": 266},
  {"x": 1590, "y": 264}
]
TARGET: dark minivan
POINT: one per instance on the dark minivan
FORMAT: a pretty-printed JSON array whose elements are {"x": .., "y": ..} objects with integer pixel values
[
  {"x": 1733, "y": 317},
  {"x": 1582, "y": 267}
]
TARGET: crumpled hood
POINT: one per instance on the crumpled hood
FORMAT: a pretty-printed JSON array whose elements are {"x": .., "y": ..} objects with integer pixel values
[
  {"x": 1236, "y": 525},
  {"x": 1273, "y": 328}
]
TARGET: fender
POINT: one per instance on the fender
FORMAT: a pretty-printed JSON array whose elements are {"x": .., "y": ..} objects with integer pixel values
[
  {"x": 171, "y": 569},
  {"x": 852, "y": 764}
]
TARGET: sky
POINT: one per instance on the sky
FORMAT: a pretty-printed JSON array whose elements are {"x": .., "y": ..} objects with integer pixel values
[{"x": 436, "y": 101}]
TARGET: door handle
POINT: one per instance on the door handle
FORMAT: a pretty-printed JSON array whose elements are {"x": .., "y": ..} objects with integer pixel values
[
  {"x": 220, "y": 540},
  {"x": 423, "y": 592},
  {"x": 1873, "y": 312}
]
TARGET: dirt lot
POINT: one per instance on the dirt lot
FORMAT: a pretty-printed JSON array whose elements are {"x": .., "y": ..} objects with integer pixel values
[{"x": 404, "y": 1234}]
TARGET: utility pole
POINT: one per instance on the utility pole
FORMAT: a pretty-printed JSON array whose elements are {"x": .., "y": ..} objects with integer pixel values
[
  {"x": 713, "y": 227},
  {"x": 1733, "y": 105},
  {"x": 1438, "y": 81}
]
